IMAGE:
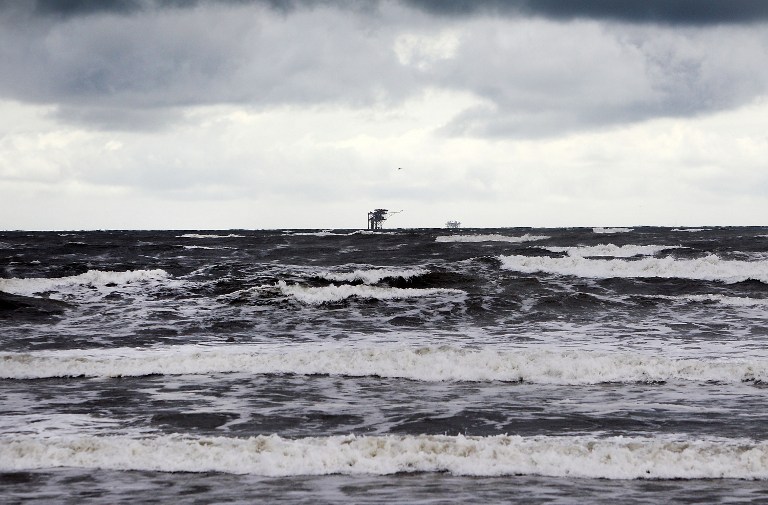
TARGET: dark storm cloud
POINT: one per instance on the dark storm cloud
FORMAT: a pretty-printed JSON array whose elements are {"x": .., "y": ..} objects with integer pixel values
[
  {"x": 69, "y": 8},
  {"x": 684, "y": 12},
  {"x": 77, "y": 7}
]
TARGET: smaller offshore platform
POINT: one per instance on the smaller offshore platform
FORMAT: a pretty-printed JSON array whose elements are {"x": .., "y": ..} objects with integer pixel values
[
  {"x": 452, "y": 224},
  {"x": 376, "y": 218}
]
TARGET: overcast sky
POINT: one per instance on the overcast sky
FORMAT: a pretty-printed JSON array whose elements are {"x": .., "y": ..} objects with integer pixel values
[{"x": 308, "y": 114}]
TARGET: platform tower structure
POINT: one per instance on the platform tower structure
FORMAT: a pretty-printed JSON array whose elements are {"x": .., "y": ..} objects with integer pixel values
[{"x": 376, "y": 218}]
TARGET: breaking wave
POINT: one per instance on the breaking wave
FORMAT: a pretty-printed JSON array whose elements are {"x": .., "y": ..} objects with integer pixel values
[
  {"x": 329, "y": 294},
  {"x": 429, "y": 363},
  {"x": 92, "y": 278},
  {"x": 322, "y": 233},
  {"x": 330, "y": 233},
  {"x": 489, "y": 238},
  {"x": 611, "y": 230},
  {"x": 198, "y": 235},
  {"x": 709, "y": 268},
  {"x": 556, "y": 456},
  {"x": 373, "y": 276},
  {"x": 733, "y": 301},
  {"x": 624, "y": 251},
  {"x": 209, "y": 248}
]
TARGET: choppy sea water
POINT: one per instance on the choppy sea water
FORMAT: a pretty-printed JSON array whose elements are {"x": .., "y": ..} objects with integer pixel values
[{"x": 404, "y": 366}]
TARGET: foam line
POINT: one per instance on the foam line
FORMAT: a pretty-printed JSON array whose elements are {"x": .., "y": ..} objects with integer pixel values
[
  {"x": 203, "y": 236},
  {"x": 557, "y": 456},
  {"x": 428, "y": 363},
  {"x": 489, "y": 238},
  {"x": 611, "y": 230}
]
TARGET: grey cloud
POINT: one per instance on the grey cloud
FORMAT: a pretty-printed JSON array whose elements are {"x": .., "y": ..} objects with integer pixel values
[
  {"x": 131, "y": 72},
  {"x": 536, "y": 77},
  {"x": 119, "y": 118},
  {"x": 544, "y": 83}
]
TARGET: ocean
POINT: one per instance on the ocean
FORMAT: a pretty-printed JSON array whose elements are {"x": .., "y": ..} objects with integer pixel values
[{"x": 572, "y": 365}]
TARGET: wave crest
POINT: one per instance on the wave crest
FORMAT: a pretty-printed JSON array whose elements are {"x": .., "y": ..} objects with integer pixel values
[
  {"x": 624, "y": 251},
  {"x": 709, "y": 268},
  {"x": 373, "y": 276},
  {"x": 95, "y": 278},
  {"x": 333, "y": 293}
]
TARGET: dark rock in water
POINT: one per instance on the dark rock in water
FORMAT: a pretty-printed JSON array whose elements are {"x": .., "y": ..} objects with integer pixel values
[{"x": 30, "y": 308}]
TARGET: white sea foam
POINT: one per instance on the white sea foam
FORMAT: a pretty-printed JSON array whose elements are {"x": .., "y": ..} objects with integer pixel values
[
  {"x": 490, "y": 238},
  {"x": 323, "y": 233},
  {"x": 326, "y": 294},
  {"x": 91, "y": 278},
  {"x": 330, "y": 233},
  {"x": 611, "y": 230},
  {"x": 733, "y": 301},
  {"x": 374, "y": 275},
  {"x": 208, "y": 248},
  {"x": 624, "y": 251},
  {"x": 430, "y": 364},
  {"x": 557, "y": 456},
  {"x": 710, "y": 268},
  {"x": 690, "y": 229},
  {"x": 197, "y": 235}
]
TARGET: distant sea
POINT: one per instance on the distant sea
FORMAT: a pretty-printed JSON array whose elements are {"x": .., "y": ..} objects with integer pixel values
[{"x": 575, "y": 365}]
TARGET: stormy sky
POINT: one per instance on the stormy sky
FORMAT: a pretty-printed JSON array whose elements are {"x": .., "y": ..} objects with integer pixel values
[{"x": 297, "y": 114}]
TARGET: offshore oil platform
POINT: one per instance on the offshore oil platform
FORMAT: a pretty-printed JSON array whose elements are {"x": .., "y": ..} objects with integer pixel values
[
  {"x": 452, "y": 224},
  {"x": 376, "y": 218}
]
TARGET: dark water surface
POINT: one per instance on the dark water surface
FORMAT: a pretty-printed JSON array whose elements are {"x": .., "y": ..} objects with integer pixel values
[{"x": 407, "y": 366}]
